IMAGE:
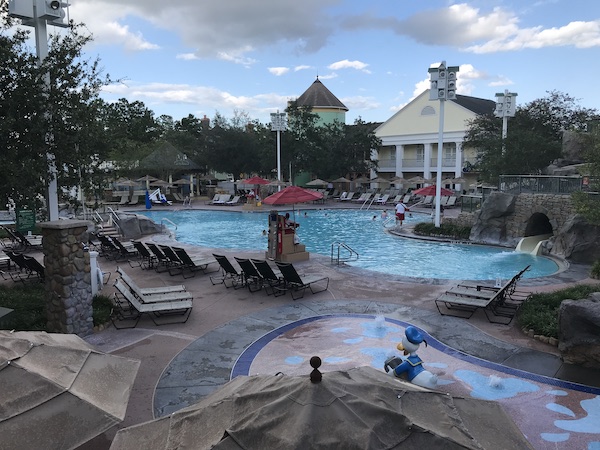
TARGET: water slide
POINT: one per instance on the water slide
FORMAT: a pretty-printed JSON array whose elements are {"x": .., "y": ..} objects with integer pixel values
[{"x": 532, "y": 244}]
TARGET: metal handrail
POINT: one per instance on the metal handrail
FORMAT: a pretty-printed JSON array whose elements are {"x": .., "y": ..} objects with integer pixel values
[
  {"x": 164, "y": 219},
  {"x": 113, "y": 219},
  {"x": 352, "y": 254}
]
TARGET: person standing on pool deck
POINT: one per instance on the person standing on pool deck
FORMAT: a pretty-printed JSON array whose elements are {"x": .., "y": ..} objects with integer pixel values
[{"x": 401, "y": 208}]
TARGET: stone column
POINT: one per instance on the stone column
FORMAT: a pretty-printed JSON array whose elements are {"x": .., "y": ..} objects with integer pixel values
[{"x": 68, "y": 280}]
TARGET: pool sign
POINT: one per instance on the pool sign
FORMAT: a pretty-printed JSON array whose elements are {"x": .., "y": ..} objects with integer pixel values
[{"x": 25, "y": 220}]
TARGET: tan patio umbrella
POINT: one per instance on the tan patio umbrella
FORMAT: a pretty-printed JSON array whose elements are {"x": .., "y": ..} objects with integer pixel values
[
  {"x": 147, "y": 179},
  {"x": 316, "y": 183},
  {"x": 398, "y": 180},
  {"x": 160, "y": 183},
  {"x": 379, "y": 180},
  {"x": 126, "y": 182},
  {"x": 459, "y": 180},
  {"x": 357, "y": 409},
  {"x": 57, "y": 391},
  {"x": 362, "y": 180},
  {"x": 180, "y": 181},
  {"x": 341, "y": 180},
  {"x": 418, "y": 180}
]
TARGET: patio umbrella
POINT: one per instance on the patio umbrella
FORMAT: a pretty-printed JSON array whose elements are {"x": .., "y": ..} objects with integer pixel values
[
  {"x": 398, "y": 180},
  {"x": 341, "y": 180},
  {"x": 431, "y": 190},
  {"x": 458, "y": 180},
  {"x": 379, "y": 180},
  {"x": 160, "y": 183},
  {"x": 317, "y": 182},
  {"x": 292, "y": 195},
  {"x": 255, "y": 180},
  {"x": 361, "y": 408},
  {"x": 125, "y": 182},
  {"x": 417, "y": 180},
  {"x": 147, "y": 179},
  {"x": 180, "y": 181},
  {"x": 362, "y": 180},
  {"x": 57, "y": 391}
]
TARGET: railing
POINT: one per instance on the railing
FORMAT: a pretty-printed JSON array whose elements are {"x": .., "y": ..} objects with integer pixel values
[
  {"x": 113, "y": 219},
  {"x": 545, "y": 184},
  {"x": 162, "y": 225},
  {"x": 337, "y": 257}
]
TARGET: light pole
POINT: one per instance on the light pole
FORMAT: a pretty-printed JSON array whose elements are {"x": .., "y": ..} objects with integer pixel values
[
  {"x": 278, "y": 124},
  {"x": 37, "y": 14},
  {"x": 442, "y": 87},
  {"x": 506, "y": 106}
]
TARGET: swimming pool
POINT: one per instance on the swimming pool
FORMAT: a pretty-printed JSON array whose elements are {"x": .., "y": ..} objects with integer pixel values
[{"x": 378, "y": 250}]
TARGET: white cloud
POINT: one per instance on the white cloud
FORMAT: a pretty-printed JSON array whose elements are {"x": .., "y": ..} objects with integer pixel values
[
  {"x": 301, "y": 67},
  {"x": 187, "y": 56},
  {"x": 229, "y": 29},
  {"x": 345, "y": 64},
  {"x": 278, "y": 71}
]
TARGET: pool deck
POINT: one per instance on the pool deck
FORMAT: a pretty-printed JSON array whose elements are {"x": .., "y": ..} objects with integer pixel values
[{"x": 183, "y": 362}]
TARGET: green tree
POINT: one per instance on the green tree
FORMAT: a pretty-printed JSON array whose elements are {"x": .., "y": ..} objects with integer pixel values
[
  {"x": 49, "y": 108},
  {"x": 587, "y": 203},
  {"x": 534, "y": 137}
]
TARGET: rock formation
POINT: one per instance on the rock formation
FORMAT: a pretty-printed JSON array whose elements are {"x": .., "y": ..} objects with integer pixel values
[{"x": 579, "y": 331}]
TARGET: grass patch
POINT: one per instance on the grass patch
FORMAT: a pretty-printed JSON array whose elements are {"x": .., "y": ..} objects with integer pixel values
[
  {"x": 540, "y": 312},
  {"x": 447, "y": 230},
  {"x": 27, "y": 301}
]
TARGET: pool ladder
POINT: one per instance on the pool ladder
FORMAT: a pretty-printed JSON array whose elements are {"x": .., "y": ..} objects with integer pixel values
[{"x": 341, "y": 252}]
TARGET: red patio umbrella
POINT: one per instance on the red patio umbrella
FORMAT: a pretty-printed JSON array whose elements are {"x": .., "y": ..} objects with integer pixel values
[
  {"x": 292, "y": 195},
  {"x": 430, "y": 190},
  {"x": 256, "y": 180}
]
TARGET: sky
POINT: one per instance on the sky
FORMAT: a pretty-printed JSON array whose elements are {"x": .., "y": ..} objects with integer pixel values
[{"x": 201, "y": 57}]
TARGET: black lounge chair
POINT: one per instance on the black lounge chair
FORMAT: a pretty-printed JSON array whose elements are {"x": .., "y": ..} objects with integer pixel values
[
  {"x": 175, "y": 264},
  {"x": 35, "y": 267},
  {"x": 192, "y": 265},
  {"x": 124, "y": 251},
  {"x": 18, "y": 260},
  {"x": 146, "y": 259},
  {"x": 228, "y": 272},
  {"x": 252, "y": 278},
  {"x": 270, "y": 278},
  {"x": 295, "y": 283},
  {"x": 161, "y": 258}
]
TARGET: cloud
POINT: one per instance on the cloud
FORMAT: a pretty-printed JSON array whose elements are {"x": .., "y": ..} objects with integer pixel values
[
  {"x": 345, "y": 64},
  {"x": 278, "y": 71},
  {"x": 471, "y": 30},
  {"x": 228, "y": 30},
  {"x": 302, "y": 67}
]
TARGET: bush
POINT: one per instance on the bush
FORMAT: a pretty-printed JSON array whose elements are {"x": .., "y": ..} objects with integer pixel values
[
  {"x": 27, "y": 301},
  {"x": 448, "y": 230},
  {"x": 595, "y": 272},
  {"x": 540, "y": 312}
]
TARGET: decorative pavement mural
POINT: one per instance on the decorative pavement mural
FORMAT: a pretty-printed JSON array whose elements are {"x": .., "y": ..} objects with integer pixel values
[{"x": 551, "y": 413}]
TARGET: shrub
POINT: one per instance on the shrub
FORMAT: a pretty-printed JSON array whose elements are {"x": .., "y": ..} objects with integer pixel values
[
  {"x": 540, "y": 312},
  {"x": 27, "y": 301},
  {"x": 448, "y": 230},
  {"x": 595, "y": 272}
]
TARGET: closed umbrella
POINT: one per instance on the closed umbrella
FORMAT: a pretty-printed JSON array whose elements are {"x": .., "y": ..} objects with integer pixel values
[
  {"x": 361, "y": 408},
  {"x": 57, "y": 392}
]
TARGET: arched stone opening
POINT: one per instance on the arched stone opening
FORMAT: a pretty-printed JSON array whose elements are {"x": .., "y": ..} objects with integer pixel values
[{"x": 538, "y": 224}]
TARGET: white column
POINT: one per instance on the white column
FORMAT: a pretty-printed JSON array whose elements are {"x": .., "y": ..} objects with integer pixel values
[
  {"x": 399, "y": 159},
  {"x": 459, "y": 161},
  {"x": 427, "y": 161}
]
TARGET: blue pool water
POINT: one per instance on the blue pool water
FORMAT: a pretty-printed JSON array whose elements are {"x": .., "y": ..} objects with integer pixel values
[{"x": 378, "y": 250}]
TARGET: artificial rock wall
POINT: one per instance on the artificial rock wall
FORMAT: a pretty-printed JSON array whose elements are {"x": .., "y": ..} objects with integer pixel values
[{"x": 68, "y": 280}]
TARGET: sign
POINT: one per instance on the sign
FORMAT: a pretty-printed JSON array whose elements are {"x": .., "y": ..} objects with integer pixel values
[{"x": 25, "y": 220}]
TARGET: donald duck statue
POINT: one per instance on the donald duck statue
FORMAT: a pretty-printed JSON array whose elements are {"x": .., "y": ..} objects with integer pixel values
[{"x": 410, "y": 367}]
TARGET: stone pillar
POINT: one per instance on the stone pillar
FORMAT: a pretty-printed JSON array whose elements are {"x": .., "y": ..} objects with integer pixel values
[{"x": 68, "y": 280}]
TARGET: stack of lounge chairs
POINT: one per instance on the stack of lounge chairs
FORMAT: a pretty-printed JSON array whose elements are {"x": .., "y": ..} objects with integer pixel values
[{"x": 161, "y": 304}]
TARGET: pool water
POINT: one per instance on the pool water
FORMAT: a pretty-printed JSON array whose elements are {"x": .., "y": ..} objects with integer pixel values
[{"x": 378, "y": 250}]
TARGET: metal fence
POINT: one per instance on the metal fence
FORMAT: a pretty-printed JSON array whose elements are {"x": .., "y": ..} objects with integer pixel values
[{"x": 545, "y": 184}]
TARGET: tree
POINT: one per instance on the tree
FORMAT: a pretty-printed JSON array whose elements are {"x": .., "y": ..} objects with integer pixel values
[
  {"x": 534, "y": 136},
  {"x": 49, "y": 108},
  {"x": 588, "y": 203}
]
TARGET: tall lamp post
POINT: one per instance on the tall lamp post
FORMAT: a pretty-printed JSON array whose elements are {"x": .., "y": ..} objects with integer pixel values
[
  {"x": 38, "y": 14},
  {"x": 506, "y": 106},
  {"x": 442, "y": 87},
  {"x": 278, "y": 124}
]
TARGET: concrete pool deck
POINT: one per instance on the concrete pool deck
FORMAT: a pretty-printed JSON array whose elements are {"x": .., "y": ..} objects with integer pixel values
[{"x": 182, "y": 362}]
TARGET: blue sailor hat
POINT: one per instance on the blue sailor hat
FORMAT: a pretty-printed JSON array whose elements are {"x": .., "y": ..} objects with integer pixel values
[{"x": 413, "y": 335}]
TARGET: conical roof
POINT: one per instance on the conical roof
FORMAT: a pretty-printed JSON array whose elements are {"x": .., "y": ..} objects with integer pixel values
[{"x": 318, "y": 96}]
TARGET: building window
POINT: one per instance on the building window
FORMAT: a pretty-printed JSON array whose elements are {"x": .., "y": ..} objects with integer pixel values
[{"x": 420, "y": 152}]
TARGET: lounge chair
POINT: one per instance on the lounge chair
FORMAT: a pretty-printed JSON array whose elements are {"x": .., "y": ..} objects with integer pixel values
[
  {"x": 18, "y": 260},
  {"x": 29, "y": 241},
  {"x": 252, "y": 278},
  {"x": 128, "y": 307},
  {"x": 270, "y": 278},
  {"x": 153, "y": 294},
  {"x": 35, "y": 267},
  {"x": 161, "y": 259},
  {"x": 407, "y": 198},
  {"x": 135, "y": 200},
  {"x": 451, "y": 202},
  {"x": 361, "y": 198},
  {"x": 175, "y": 265},
  {"x": 223, "y": 199},
  {"x": 124, "y": 200},
  {"x": 234, "y": 201},
  {"x": 192, "y": 265},
  {"x": 126, "y": 250},
  {"x": 348, "y": 197},
  {"x": 383, "y": 199},
  {"x": 146, "y": 259},
  {"x": 295, "y": 283},
  {"x": 214, "y": 199},
  {"x": 228, "y": 273},
  {"x": 342, "y": 196}
]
